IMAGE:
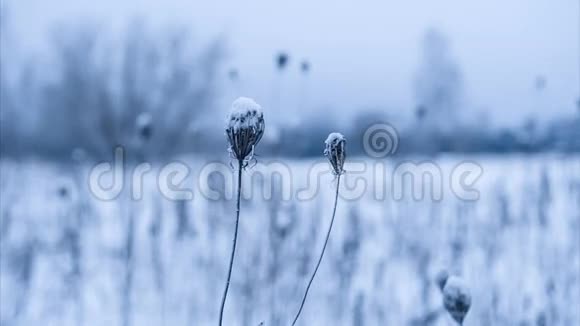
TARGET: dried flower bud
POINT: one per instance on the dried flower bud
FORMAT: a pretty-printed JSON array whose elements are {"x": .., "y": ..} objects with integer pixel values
[
  {"x": 456, "y": 298},
  {"x": 282, "y": 60},
  {"x": 244, "y": 128},
  {"x": 144, "y": 122},
  {"x": 335, "y": 152}
]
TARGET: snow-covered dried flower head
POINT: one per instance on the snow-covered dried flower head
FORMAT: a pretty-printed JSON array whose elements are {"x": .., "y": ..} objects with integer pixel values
[
  {"x": 63, "y": 191},
  {"x": 456, "y": 298},
  {"x": 244, "y": 128},
  {"x": 335, "y": 152},
  {"x": 144, "y": 125}
]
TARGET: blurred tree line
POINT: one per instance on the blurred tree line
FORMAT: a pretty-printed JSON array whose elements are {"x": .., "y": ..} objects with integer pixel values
[
  {"x": 90, "y": 89},
  {"x": 437, "y": 124}
]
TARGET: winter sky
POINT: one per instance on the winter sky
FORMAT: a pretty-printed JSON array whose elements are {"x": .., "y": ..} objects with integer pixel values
[{"x": 364, "y": 54}]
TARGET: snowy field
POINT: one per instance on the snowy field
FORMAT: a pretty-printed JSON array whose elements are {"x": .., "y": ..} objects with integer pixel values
[{"x": 68, "y": 258}]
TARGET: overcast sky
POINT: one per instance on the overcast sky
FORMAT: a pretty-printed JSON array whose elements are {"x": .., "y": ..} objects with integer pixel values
[{"x": 365, "y": 53}]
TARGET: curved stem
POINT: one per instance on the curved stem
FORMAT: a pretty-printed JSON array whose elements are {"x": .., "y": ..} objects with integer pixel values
[
  {"x": 321, "y": 254},
  {"x": 240, "y": 167}
]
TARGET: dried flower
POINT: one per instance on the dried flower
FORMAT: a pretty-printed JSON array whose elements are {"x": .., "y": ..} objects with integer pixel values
[
  {"x": 335, "y": 152},
  {"x": 244, "y": 128},
  {"x": 281, "y": 60},
  {"x": 144, "y": 122},
  {"x": 456, "y": 298}
]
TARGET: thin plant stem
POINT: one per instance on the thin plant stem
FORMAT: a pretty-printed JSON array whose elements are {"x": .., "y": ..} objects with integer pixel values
[
  {"x": 233, "y": 253},
  {"x": 321, "y": 254}
]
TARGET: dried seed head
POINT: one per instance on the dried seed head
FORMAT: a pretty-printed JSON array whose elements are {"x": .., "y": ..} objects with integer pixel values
[
  {"x": 335, "y": 152},
  {"x": 456, "y": 298},
  {"x": 144, "y": 128},
  {"x": 244, "y": 128},
  {"x": 282, "y": 60}
]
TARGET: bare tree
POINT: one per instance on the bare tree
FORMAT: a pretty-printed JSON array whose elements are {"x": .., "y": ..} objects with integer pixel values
[
  {"x": 438, "y": 83},
  {"x": 102, "y": 86}
]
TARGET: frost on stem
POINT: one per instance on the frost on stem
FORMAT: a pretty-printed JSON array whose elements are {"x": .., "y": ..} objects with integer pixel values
[
  {"x": 335, "y": 152},
  {"x": 456, "y": 298},
  {"x": 244, "y": 128}
]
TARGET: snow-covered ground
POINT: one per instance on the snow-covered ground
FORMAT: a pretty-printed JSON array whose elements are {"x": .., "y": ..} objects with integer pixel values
[{"x": 69, "y": 258}]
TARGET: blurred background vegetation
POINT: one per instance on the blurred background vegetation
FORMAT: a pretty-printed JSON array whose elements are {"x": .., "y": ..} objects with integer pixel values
[{"x": 87, "y": 91}]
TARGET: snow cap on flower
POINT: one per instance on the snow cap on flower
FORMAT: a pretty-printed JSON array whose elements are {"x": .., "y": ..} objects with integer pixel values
[
  {"x": 456, "y": 298},
  {"x": 244, "y": 128},
  {"x": 335, "y": 152}
]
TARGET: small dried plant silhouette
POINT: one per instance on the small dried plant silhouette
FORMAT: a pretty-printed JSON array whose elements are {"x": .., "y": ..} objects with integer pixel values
[
  {"x": 144, "y": 126},
  {"x": 335, "y": 152},
  {"x": 244, "y": 129},
  {"x": 456, "y": 296}
]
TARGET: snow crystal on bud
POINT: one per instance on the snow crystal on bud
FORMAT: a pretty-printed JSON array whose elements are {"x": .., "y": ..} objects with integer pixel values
[
  {"x": 456, "y": 298},
  {"x": 335, "y": 152},
  {"x": 334, "y": 138},
  {"x": 245, "y": 113}
]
